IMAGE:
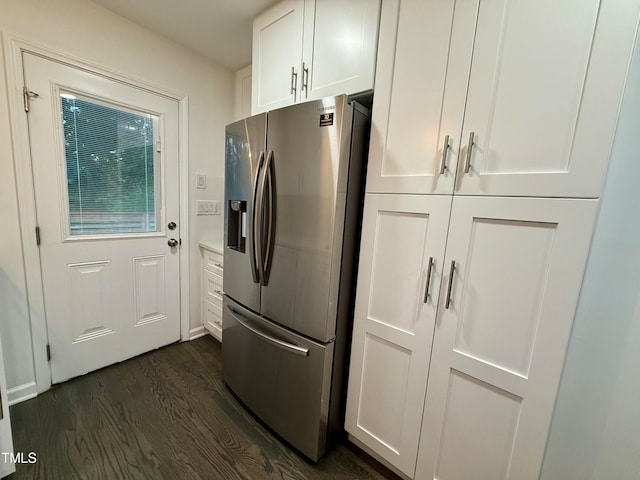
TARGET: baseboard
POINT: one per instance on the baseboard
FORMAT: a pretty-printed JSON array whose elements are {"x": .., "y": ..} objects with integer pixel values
[
  {"x": 21, "y": 393},
  {"x": 197, "y": 332}
]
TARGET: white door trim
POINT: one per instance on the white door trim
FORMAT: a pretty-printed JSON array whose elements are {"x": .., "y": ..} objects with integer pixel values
[{"x": 13, "y": 49}]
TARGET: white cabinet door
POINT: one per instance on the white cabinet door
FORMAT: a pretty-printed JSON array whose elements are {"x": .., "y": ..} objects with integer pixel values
[
  {"x": 339, "y": 47},
  {"x": 277, "y": 56},
  {"x": 414, "y": 115},
  {"x": 544, "y": 90},
  {"x": 395, "y": 313},
  {"x": 499, "y": 344}
]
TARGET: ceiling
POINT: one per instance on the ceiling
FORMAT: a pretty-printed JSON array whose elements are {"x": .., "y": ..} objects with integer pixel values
[{"x": 218, "y": 29}]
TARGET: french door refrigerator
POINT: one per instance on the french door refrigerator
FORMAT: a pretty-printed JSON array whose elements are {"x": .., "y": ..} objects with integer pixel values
[{"x": 293, "y": 193}]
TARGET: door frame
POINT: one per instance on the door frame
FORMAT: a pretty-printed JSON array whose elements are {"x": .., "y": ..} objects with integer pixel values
[{"x": 14, "y": 47}]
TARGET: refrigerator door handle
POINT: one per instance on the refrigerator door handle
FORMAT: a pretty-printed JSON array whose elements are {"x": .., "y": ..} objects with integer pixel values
[
  {"x": 270, "y": 214},
  {"x": 289, "y": 347},
  {"x": 266, "y": 222},
  {"x": 253, "y": 227}
]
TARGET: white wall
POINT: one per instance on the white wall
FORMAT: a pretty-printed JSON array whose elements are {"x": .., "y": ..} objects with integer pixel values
[
  {"x": 85, "y": 30},
  {"x": 595, "y": 432}
]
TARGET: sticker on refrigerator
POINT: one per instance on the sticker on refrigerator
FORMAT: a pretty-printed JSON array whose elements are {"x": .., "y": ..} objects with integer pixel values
[{"x": 326, "y": 119}]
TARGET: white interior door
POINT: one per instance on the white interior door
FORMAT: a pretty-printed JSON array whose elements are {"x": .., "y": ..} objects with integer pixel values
[
  {"x": 499, "y": 343},
  {"x": 401, "y": 263},
  {"x": 105, "y": 164}
]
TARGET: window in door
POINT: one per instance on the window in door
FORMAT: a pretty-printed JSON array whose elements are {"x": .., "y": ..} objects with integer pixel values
[{"x": 112, "y": 172}]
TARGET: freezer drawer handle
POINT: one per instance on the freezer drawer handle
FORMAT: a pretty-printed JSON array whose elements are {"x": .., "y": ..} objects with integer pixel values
[{"x": 289, "y": 347}]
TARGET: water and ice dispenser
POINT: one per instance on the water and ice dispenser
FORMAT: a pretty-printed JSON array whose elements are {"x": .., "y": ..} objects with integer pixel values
[{"x": 237, "y": 229}]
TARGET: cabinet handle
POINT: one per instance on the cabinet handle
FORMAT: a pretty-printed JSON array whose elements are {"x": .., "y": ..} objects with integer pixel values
[
  {"x": 219, "y": 265},
  {"x": 426, "y": 287},
  {"x": 219, "y": 292},
  {"x": 448, "y": 301},
  {"x": 305, "y": 80},
  {"x": 443, "y": 162},
  {"x": 467, "y": 165},
  {"x": 294, "y": 82}
]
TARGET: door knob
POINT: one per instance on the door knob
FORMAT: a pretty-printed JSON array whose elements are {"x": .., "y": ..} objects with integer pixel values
[
  {"x": 172, "y": 225},
  {"x": 172, "y": 242}
]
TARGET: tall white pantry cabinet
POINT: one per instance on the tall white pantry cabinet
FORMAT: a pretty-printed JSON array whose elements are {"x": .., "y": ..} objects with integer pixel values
[{"x": 491, "y": 131}]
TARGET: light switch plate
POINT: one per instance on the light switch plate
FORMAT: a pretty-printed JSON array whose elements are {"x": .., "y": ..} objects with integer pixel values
[{"x": 201, "y": 180}]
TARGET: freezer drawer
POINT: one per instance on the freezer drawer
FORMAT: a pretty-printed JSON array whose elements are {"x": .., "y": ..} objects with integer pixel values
[{"x": 282, "y": 377}]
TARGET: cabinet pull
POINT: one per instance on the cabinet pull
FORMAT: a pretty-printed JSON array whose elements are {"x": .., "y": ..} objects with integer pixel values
[
  {"x": 294, "y": 82},
  {"x": 305, "y": 80},
  {"x": 448, "y": 301},
  {"x": 467, "y": 165},
  {"x": 443, "y": 162},
  {"x": 426, "y": 287},
  {"x": 219, "y": 265}
]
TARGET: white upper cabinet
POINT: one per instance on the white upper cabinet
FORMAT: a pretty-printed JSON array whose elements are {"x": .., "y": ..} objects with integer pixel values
[
  {"x": 308, "y": 49},
  {"x": 527, "y": 91},
  {"x": 339, "y": 47},
  {"x": 544, "y": 90},
  {"x": 410, "y": 125},
  {"x": 277, "y": 50}
]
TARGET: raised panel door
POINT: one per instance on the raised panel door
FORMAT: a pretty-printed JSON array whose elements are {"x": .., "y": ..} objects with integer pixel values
[
  {"x": 419, "y": 100},
  {"x": 277, "y": 55},
  {"x": 401, "y": 263},
  {"x": 544, "y": 90},
  {"x": 500, "y": 337},
  {"x": 105, "y": 173},
  {"x": 339, "y": 47}
]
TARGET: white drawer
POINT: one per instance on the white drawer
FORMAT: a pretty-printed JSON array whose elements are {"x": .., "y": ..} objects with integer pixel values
[
  {"x": 213, "y": 318},
  {"x": 212, "y": 287},
  {"x": 213, "y": 262}
]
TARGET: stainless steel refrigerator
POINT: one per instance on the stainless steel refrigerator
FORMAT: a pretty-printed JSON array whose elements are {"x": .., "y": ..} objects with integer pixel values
[{"x": 293, "y": 192}]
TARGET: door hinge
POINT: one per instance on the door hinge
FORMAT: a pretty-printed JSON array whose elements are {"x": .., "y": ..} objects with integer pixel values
[
  {"x": 26, "y": 95},
  {"x": 48, "y": 352},
  {"x": 37, "y": 235}
]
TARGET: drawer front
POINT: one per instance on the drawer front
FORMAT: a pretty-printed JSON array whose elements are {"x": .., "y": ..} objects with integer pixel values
[
  {"x": 212, "y": 318},
  {"x": 213, "y": 262},
  {"x": 212, "y": 288}
]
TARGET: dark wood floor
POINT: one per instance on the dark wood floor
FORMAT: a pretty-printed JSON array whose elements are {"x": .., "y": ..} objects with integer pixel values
[{"x": 163, "y": 415}]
